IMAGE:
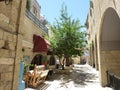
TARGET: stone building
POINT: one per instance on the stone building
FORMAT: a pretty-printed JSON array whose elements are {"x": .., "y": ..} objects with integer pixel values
[
  {"x": 103, "y": 28},
  {"x": 33, "y": 27},
  {"x": 18, "y": 25}
]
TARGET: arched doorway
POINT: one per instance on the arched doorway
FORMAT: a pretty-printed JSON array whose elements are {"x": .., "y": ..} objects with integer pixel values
[
  {"x": 96, "y": 54},
  {"x": 93, "y": 55},
  {"x": 109, "y": 45},
  {"x": 52, "y": 60},
  {"x": 91, "y": 61},
  {"x": 38, "y": 60}
]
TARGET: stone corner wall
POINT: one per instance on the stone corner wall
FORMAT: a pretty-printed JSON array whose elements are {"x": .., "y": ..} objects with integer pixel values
[{"x": 10, "y": 43}]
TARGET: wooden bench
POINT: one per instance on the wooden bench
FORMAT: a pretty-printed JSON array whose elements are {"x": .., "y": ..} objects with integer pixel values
[{"x": 36, "y": 76}]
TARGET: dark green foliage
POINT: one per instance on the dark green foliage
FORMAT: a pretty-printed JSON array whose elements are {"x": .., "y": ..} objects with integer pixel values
[{"x": 68, "y": 38}]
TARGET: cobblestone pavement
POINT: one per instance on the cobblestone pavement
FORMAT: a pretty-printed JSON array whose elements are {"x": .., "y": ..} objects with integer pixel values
[{"x": 81, "y": 77}]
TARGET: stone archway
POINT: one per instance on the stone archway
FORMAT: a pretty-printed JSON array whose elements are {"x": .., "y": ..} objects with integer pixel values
[
  {"x": 109, "y": 45},
  {"x": 93, "y": 55},
  {"x": 91, "y": 61},
  {"x": 90, "y": 57},
  {"x": 96, "y": 54},
  {"x": 37, "y": 60}
]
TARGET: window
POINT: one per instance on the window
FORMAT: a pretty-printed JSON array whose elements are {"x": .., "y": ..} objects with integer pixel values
[{"x": 35, "y": 10}]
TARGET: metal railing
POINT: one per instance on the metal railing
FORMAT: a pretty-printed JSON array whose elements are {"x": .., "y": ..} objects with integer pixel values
[
  {"x": 113, "y": 81},
  {"x": 36, "y": 21}
]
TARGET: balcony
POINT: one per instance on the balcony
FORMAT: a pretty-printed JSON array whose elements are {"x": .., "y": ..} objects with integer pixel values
[{"x": 36, "y": 21}]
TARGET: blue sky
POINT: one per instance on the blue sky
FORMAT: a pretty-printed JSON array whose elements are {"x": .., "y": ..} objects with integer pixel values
[{"x": 76, "y": 8}]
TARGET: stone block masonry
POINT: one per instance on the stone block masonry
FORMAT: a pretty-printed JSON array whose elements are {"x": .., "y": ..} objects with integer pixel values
[
  {"x": 11, "y": 21},
  {"x": 103, "y": 27},
  {"x": 7, "y": 56}
]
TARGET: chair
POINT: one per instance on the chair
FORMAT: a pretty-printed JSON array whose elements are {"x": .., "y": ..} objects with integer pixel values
[{"x": 36, "y": 76}]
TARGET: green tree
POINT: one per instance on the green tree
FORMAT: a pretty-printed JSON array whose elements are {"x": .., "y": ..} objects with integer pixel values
[{"x": 68, "y": 39}]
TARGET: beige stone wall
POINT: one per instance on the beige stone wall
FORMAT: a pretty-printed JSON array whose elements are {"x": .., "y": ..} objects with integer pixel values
[
  {"x": 30, "y": 28},
  {"x": 3, "y": 13},
  {"x": 10, "y": 43},
  {"x": 107, "y": 60},
  {"x": 16, "y": 32},
  {"x": 35, "y": 5},
  {"x": 6, "y": 63},
  {"x": 76, "y": 60},
  {"x": 111, "y": 61}
]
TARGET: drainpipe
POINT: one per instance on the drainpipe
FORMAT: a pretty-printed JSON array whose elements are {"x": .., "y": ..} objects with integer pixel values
[{"x": 17, "y": 38}]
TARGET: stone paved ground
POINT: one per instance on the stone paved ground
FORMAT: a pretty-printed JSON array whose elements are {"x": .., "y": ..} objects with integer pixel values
[{"x": 82, "y": 77}]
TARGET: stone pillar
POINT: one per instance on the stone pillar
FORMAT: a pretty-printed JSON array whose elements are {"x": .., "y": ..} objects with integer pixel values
[
  {"x": 92, "y": 55},
  {"x": 103, "y": 69},
  {"x": 91, "y": 62},
  {"x": 95, "y": 54}
]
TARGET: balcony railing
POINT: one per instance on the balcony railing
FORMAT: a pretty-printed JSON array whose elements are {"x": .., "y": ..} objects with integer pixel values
[
  {"x": 113, "y": 81},
  {"x": 36, "y": 21}
]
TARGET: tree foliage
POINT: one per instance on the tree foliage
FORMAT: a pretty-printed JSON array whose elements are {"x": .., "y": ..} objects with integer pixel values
[{"x": 68, "y": 39}]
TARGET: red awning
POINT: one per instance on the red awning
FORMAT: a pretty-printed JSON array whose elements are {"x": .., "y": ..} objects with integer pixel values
[{"x": 40, "y": 44}]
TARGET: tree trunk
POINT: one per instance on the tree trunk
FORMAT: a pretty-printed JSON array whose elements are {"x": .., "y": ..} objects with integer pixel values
[
  {"x": 63, "y": 64},
  {"x": 67, "y": 61}
]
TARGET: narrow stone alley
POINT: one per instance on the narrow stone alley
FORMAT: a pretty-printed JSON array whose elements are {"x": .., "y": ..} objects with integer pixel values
[{"x": 81, "y": 77}]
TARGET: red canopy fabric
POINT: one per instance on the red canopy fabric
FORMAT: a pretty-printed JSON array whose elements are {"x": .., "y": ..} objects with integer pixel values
[{"x": 40, "y": 44}]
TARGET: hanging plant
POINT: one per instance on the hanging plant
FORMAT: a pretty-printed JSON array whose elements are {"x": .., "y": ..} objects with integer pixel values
[{"x": 26, "y": 67}]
